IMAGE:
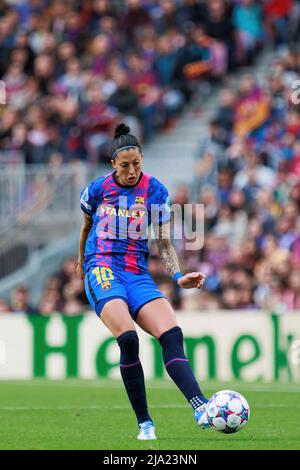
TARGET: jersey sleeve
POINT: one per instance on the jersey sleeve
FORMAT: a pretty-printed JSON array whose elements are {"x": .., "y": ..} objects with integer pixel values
[
  {"x": 160, "y": 204},
  {"x": 89, "y": 198}
]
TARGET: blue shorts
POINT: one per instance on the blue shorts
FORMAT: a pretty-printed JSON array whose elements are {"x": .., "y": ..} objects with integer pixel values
[{"x": 103, "y": 284}]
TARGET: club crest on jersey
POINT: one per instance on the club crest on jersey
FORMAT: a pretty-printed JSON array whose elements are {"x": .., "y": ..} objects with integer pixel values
[
  {"x": 139, "y": 200},
  {"x": 105, "y": 285}
]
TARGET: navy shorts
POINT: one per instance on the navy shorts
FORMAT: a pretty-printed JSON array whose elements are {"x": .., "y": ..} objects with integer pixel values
[{"x": 103, "y": 284}]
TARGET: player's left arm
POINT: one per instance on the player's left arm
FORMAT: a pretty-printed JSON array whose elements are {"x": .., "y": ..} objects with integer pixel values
[{"x": 170, "y": 261}]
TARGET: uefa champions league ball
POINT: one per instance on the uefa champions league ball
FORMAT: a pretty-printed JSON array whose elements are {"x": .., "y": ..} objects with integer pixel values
[{"x": 228, "y": 411}]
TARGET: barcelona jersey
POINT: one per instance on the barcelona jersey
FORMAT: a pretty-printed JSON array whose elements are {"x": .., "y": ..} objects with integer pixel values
[{"x": 121, "y": 217}]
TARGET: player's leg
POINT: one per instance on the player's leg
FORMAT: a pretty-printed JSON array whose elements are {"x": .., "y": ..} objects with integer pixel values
[
  {"x": 110, "y": 304},
  {"x": 117, "y": 319},
  {"x": 158, "y": 318}
]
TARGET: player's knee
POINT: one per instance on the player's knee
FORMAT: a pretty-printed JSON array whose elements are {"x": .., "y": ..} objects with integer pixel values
[
  {"x": 172, "y": 343},
  {"x": 129, "y": 346},
  {"x": 172, "y": 335}
]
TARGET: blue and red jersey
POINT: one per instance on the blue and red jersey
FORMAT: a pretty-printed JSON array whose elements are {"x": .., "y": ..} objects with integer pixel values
[{"x": 122, "y": 216}]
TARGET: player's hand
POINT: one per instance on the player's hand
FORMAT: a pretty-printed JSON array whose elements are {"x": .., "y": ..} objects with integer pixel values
[
  {"x": 190, "y": 280},
  {"x": 79, "y": 270}
]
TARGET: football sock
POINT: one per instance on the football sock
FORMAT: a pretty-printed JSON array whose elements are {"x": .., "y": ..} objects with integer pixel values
[
  {"x": 178, "y": 367},
  {"x": 197, "y": 401},
  {"x": 133, "y": 375}
]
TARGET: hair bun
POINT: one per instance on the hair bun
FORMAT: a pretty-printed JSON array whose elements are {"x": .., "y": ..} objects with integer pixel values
[{"x": 121, "y": 129}]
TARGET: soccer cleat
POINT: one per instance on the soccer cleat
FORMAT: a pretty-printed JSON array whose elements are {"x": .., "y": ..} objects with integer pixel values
[
  {"x": 147, "y": 431},
  {"x": 201, "y": 416}
]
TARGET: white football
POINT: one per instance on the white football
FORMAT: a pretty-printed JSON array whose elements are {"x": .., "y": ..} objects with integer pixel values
[{"x": 228, "y": 411}]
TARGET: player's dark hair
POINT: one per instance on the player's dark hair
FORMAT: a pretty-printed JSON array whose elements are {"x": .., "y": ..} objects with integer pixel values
[{"x": 123, "y": 139}]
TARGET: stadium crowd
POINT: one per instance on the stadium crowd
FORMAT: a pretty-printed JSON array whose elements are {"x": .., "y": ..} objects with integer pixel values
[
  {"x": 73, "y": 68},
  {"x": 88, "y": 65},
  {"x": 247, "y": 176}
]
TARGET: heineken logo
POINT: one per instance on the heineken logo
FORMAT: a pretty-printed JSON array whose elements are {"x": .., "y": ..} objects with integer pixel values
[{"x": 258, "y": 347}]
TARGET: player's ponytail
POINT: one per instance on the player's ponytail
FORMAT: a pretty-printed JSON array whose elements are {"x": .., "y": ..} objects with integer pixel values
[{"x": 123, "y": 140}]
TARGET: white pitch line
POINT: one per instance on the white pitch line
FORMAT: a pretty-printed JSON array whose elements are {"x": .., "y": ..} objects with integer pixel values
[
  {"x": 81, "y": 408},
  {"x": 278, "y": 388},
  {"x": 126, "y": 407}
]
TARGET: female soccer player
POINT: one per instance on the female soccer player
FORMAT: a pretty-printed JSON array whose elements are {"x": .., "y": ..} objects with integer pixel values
[{"x": 117, "y": 209}]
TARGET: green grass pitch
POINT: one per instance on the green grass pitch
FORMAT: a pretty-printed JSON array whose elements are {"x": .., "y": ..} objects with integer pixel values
[{"x": 78, "y": 414}]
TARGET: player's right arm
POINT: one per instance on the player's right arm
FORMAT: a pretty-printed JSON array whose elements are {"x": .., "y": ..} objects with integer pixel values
[
  {"x": 84, "y": 232},
  {"x": 88, "y": 203}
]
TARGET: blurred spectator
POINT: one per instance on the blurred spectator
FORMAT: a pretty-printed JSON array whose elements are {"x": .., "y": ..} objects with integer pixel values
[
  {"x": 254, "y": 175},
  {"x": 169, "y": 17},
  {"x": 219, "y": 26},
  {"x": 200, "y": 301},
  {"x": 164, "y": 66},
  {"x": 100, "y": 9},
  {"x": 167, "y": 287},
  {"x": 96, "y": 122},
  {"x": 226, "y": 111},
  {"x": 277, "y": 18},
  {"x": 73, "y": 307},
  {"x": 191, "y": 11},
  {"x": 4, "y": 306},
  {"x": 247, "y": 18},
  {"x": 67, "y": 271},
  {"x": 144, "y": 83},
  {"x": 47, "y": 306},
  {"x": 64, "y": 292},
  {"x": 231, "y": 298},
  {"x": 193, "y": 63},
  {"x": 135, "y": 19},
  {"x": 211, "y": 156},
  {"x": 126, "y": 101},
  {"x": 20, "y": 301}
]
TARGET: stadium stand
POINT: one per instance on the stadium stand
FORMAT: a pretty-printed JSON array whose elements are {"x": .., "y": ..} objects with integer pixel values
[{"x": 73, "y": 69}]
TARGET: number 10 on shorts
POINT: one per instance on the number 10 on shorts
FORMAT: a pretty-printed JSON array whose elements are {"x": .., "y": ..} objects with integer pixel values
[{"x": 103, "y": 274}]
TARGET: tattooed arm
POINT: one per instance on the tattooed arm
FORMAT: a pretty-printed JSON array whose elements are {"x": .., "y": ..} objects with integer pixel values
[
  {"x": 166, "y": 250},
  {"x": 170, "y": 260}
]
